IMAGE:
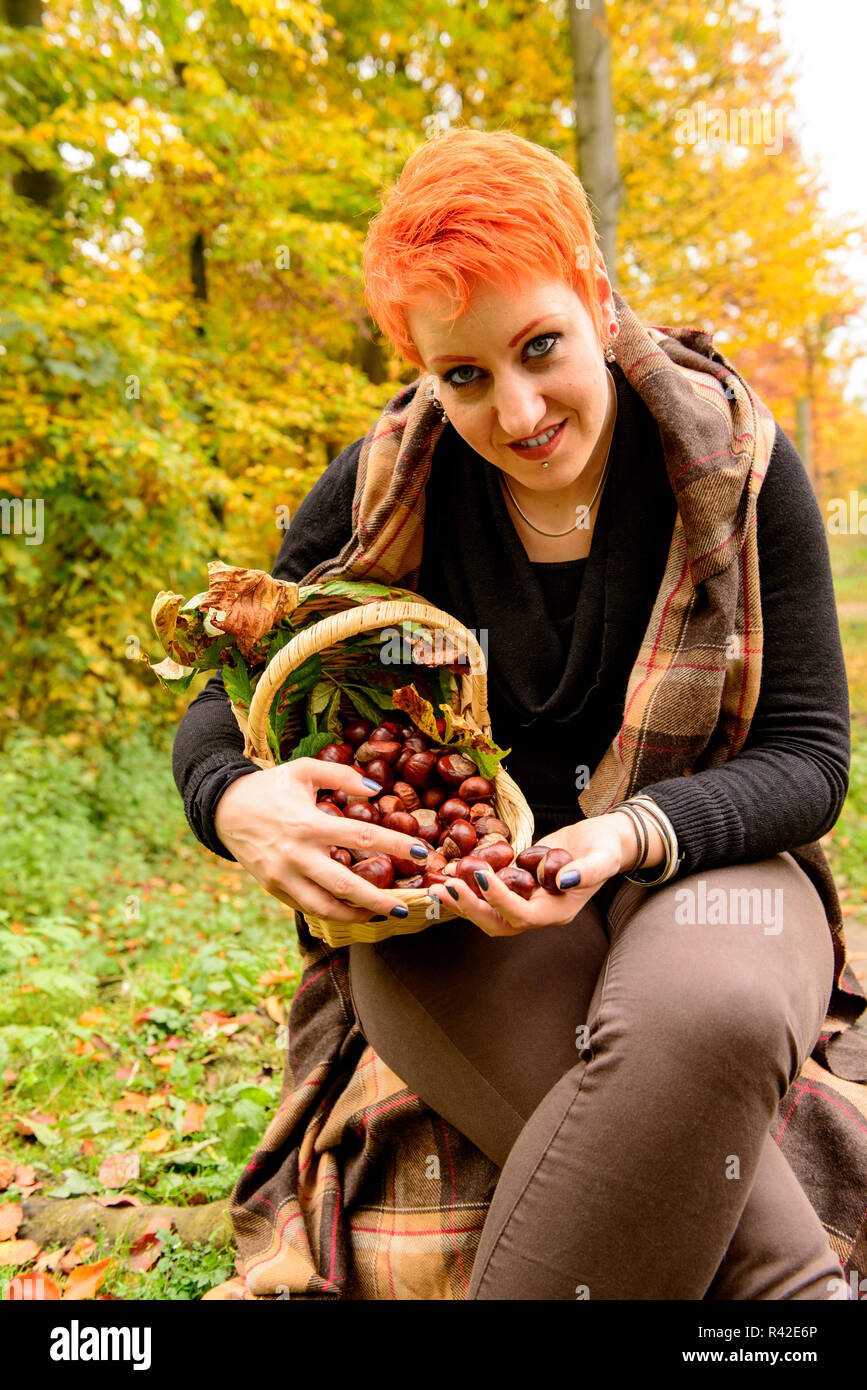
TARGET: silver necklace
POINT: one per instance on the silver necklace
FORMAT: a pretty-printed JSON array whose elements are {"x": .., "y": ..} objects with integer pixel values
[{"x": 569, "y": 529}]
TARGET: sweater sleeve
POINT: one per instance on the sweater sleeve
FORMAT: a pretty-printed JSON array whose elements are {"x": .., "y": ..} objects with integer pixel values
[
  {"x": 787, "y": 785},
  {"x": 208, "y": 750}
]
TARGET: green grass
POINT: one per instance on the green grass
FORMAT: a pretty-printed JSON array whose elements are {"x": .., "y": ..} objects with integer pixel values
[{"x": 112, "y": 911}]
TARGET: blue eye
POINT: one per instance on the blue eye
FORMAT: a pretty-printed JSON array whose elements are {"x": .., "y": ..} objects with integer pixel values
[{"x": 550, "y": 338}]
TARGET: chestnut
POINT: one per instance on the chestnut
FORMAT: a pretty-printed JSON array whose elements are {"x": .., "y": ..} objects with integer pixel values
[
  {"x": 357, "y": 731},
  {"x": 408, "y": 795},
  {"x": 383, "y": 733},
  {"x": 402, "y": 821},
  {"x": 428, "y": 824},
  {"x": 481, "y": 808},
  {"x": 476, "y": 789},
  {"x": 340, "y": 799},
  {"x": 329, "y": 808},
  {"x": 491, "y": 825},
  {"x": 388, "y": 802},
  {"x": 529, "y": 858},
  {"x": 460, "y": 840},
  {"x": 413, "y": 881},
  {"x": 336, "y": 753},
  {"x": 378, "y": 870},
  {"x": 498, "y": 855},
  {"x": 548, "y": 868},
  {"x": 517, "y": 880},
  {"x": 416, "y": 744},
  {"x": 380, "y": 772},
  {"x": 362, "y": 810},
  {"x": 454, "y": 768},
  {"x": 453, "y": 809},
  {"x": 342, "y": 856},
  {"x": 370, "y": 750},
  {"x": 433, "y": 797},
  {"x": 467, "y": 869},
  {"x": 436, "y": 861},
  {"x": 434, "y": 876},
  {"x": 420, "y": 769}
]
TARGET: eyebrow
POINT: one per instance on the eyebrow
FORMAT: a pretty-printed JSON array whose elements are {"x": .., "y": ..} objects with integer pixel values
[{"x": 512, "y": 341}]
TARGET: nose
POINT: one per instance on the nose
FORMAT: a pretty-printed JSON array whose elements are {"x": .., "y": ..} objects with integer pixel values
[{"x": 521, "y": 408}]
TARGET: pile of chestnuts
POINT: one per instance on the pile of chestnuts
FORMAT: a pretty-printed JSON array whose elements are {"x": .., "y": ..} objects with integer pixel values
[{"x": 437, "y": 797}]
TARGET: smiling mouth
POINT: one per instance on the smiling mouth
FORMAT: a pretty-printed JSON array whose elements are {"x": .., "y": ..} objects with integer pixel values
[{"x": 538, "y": 442}]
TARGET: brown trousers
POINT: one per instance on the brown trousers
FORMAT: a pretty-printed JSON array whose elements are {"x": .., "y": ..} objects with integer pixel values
[{"x": 624, "y": 1071}]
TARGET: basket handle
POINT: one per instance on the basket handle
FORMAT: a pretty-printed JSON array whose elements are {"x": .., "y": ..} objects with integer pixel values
[{"x": 338, "y": 626}]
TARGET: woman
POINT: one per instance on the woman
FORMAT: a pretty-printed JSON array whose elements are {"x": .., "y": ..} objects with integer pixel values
[{"x": 641, "y": 549}]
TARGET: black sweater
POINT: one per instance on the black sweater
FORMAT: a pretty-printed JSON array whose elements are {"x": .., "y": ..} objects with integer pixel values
[{"x": 562, "y": 639}]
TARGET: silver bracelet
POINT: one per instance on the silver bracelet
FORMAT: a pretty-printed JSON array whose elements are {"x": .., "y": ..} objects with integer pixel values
[{"x": 674, "y": 857}]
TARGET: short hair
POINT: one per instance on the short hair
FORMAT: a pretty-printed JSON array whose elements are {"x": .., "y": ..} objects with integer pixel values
[{"x": 476, "y": 206}]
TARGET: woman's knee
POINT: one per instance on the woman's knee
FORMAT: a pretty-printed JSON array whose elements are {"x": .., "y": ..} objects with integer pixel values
[{"x": 735, "y": 962}]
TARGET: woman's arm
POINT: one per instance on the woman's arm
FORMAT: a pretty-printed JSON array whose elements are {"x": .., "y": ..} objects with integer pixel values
[
  {"x": 788, "y": 784},
  {"x": 208, "y": 752}
]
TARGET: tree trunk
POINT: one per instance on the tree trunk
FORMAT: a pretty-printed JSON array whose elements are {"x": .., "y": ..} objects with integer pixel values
[
  {"x": 52, "y": 1221},
  {"x": 595, "y": 144}
]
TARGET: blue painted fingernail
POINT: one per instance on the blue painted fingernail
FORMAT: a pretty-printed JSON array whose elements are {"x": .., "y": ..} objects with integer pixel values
[
  {"x": 374, "y": 786},
  {"x": 571, "y": 879},
  {"x": 481, "y": 880},
  {"x": 399, "y": 911},
  {"x": 419, "y": 851},
  {"x": 453, "y": 892}
]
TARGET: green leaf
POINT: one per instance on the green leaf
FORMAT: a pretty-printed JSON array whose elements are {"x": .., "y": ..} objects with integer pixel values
[
  {"x": 320, "y": 696},
  {"x": 362, "y": 702},
  {"x": 333, "y": 721},
  {"x": 74, "y": 1184},
  {"x": 236, "y": 679},
  {"x": 310, "y": 746}
]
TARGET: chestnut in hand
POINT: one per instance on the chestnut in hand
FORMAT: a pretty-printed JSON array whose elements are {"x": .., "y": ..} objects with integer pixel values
[
  {"x": 329, "y": 808},
  {"x": 549, "y": 867},
  {"x": 380, "y": 771},
  {"x": 468, "y": 867},
  {"x": 342, "y": 856},
  {"x": 362, "y": 810},
  {"x": 460, "y": 840},
  {"x": 498, "y": 855},
  {"x": 378, "y": 870},
  {"x": 517, "y": 880},
  {"x": 401, "y": 821}
]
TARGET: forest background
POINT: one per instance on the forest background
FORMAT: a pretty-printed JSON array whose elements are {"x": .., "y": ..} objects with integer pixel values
[{"x": 183, "y": 348}]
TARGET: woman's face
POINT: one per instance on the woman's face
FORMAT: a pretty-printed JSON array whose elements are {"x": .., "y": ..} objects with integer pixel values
[{"x": 512, "y": 367}]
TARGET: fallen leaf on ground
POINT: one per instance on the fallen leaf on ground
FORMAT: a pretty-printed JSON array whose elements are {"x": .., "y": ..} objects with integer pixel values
[
  {"x": 155, "y": 1141},
  {"x": 11, "y": 1217},
  {"x": 274, "y": 1009},
  {"x": 49, "y": 1260},
  {"x": 131, "y": 1100},
  {"x": 121, "y": 1199},
  {"x": 81, "y": 1250},
  {"x": 84, "y": 1281},
  {"x": 18, "y": 1252},
  {"x": 147, "y": 1248},
  {"x": 32, "y": 1287},
  {"x": 119, "y": 1169},
  {"x": 7, "y": 1173},
  {"x": 91, "y": 1018},
  {"x": 87, "y": 1147},
  {"x": 36, "y": 1117},
  {"x": 194, "y": 1117},
  {"x": 9, "y": 1077}
]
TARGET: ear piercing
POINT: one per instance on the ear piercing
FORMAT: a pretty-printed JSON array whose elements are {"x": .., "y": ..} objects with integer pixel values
[{"x": 432, "y": 396}]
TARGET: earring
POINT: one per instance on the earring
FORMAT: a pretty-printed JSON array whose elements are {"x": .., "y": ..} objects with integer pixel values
[
  {"x": 435, "y": 401},
  {"x": 613, "y": 330}
]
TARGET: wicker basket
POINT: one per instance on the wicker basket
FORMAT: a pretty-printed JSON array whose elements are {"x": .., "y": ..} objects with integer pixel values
[{"x": 508, "y": 801}]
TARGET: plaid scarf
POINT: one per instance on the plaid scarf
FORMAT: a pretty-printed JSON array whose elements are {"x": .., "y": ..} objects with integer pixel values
[{"x": 694, "y": 686}]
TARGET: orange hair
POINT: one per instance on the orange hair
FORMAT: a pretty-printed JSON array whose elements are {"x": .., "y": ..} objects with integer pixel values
[{"x": 476, "y": 206}]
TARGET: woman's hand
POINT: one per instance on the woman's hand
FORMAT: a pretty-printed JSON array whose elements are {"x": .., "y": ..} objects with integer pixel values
[
  {"x": 600, "y": 848},
  {"x": 270, "y": 822}
]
